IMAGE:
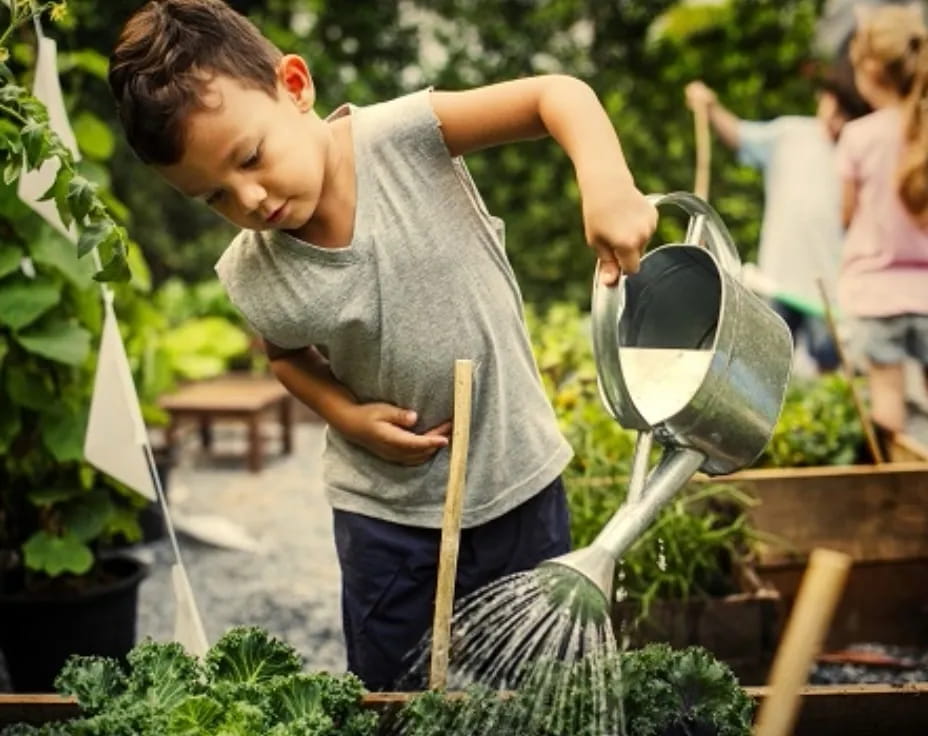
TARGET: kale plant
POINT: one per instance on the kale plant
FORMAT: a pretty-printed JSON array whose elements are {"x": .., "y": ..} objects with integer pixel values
[
  {"x": 682, "y": 691},
  {"x": 662, "y": 692},
  {"x": 249, "y": 683}
]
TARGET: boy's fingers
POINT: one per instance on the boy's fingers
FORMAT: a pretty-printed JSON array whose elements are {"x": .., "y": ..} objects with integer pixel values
[
  {"x": 406, "y": 440},
  {"x": 404, "y": 417},
  {"x": 628, "y": 260},
  {"x": 443, "y": 429},
  {"x": 609, "y": 270}
]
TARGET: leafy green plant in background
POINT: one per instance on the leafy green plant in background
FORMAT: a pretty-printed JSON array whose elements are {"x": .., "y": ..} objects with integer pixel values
[
  {"x": 818, "y": 426},
  {"x": 248, "y": 683},
  {"x": 179, "y": 333},
  {"x": 54, "y": 509}
]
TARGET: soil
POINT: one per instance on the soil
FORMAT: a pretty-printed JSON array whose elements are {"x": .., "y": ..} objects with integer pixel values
[{"x": 900, "y": 665}]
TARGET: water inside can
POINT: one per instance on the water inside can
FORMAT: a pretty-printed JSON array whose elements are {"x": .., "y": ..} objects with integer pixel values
[{"x": 662, "y": 381}]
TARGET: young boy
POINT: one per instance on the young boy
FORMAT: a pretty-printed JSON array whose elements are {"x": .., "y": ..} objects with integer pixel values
[
  {"x": 801, "y": 232},
  {"x": 369, "y": 263}
]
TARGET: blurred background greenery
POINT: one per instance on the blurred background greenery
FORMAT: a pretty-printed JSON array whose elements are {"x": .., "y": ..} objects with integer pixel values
[{"x": 636, "y": 55}]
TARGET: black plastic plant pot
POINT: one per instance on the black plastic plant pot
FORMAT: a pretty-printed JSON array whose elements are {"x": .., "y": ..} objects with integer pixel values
[{"x": 40, "y": 630}]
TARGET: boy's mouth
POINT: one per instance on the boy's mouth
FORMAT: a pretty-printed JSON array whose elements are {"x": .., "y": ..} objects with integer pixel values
[{"x": 276, "y": 214}]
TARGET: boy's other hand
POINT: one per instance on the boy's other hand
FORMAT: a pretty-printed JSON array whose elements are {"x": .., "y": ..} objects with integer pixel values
[
  {"x": 698, "y": 94},
  {"x": 617, "y": 224},
  {"x": 384, "y": 430}
]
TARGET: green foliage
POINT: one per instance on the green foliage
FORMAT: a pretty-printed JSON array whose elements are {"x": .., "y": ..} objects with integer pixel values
[
  {"x": 638, "y": 57},
  {"x": 249, "y": 683},
  {"x": 818, "y": 426},
  {"x": 179, "y": 332},
  {"x": 54, "y": 509},
  {"x": 661, "y": 691},
  {"x": 202, "y": 348},
  {"x": 248, "y": 656},
  {"x": 682, "y": 691}
]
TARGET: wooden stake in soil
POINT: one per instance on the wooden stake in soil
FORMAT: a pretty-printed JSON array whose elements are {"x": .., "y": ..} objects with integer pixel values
[
  {"x": 869, "y": 433},
  {"x": 451, "y": 525},
  {"x": 815, "y": 604}
]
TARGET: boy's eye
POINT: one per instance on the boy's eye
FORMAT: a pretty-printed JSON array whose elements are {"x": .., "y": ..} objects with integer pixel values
[{"x": 253, "y": 159}]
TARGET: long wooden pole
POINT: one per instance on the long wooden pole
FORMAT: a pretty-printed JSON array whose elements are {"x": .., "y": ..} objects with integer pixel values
[
  {"x": 869, "y": 433},
  {"x": 451, "y": 525},
  {"x": 822, "y": 585},
  {"x": 703, "y": 151}
]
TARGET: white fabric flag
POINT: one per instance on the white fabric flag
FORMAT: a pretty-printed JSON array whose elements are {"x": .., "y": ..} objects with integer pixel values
[
  {"x": 116, "y": 437},
  {"x": 188, "y": 628},
  {"x": 47, "y": 89}
]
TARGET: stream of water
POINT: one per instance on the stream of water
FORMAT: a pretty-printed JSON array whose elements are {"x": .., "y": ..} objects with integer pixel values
[{"x": 546, "y": 635}]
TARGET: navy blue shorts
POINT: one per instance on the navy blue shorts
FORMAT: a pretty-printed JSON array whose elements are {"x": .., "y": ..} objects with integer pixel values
[{"x": 389, "y": 572}]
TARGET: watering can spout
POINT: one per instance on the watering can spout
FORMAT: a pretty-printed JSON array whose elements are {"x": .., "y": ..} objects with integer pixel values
[{"x": 596, "y": 562}]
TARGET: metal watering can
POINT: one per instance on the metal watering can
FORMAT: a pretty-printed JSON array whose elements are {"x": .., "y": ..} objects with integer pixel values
[{"x": 689, "y": 357}]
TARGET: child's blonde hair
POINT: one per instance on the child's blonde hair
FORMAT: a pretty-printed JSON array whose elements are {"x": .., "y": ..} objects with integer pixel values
[{"x": 896, "y": 39}]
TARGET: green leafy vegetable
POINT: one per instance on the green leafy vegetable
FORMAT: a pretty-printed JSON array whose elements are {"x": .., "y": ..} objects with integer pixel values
[
  {"x": 661, "y": 691},
  {"x": 249, "y": 683}
]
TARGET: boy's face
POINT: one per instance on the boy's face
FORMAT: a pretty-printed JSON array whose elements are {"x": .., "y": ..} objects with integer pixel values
[{"x": 258, "y": 161}]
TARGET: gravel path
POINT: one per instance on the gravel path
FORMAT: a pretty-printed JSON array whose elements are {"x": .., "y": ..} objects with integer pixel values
[{"x": 291, "y": 586}]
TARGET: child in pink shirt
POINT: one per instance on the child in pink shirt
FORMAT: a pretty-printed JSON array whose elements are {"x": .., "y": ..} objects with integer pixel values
[{"x": 883, "y": 162}]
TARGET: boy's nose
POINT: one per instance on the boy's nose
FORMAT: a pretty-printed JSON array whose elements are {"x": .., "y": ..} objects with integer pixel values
[{"x": 250, "y": 197}]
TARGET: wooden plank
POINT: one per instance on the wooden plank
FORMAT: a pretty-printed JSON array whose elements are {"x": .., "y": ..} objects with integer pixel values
[
  {"x": 882, "y": 602},
  {"x": 845, "y": 710},
  {"x": 860, "y": 710},
  {"x": 870, "y": 513},
  {"x": 37, "y": 708}
]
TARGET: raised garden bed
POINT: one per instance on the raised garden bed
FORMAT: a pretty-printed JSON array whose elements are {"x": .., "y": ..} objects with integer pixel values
[
  {"x": 845, "y": 710},
  {"x": 741, "y": 629},
  {"x": 871, "y": 512}
]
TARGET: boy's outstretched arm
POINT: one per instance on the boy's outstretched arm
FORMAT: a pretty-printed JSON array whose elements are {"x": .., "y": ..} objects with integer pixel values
[
  {"x": 724, "y": 121},
  {"x": 381, "y": 428},
  {"x": 617, "y": 218}
]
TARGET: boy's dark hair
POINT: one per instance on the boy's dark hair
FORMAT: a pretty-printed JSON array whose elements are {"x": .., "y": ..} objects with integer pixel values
[
  {"x": 166, "y": 53},
  {"x": 838, "y": 80}
]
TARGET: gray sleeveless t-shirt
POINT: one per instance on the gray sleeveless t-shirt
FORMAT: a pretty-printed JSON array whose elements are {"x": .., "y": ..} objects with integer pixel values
[{"x": 424, "y": 281}]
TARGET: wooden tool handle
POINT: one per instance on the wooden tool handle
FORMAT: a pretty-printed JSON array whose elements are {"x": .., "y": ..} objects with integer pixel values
[
  {"x": 703, "y": 151},
  {"x": 815, "y": 604},
  {"x": 451, "y": 525}
]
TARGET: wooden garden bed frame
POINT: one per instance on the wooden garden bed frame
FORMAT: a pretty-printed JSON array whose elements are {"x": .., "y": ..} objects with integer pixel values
[
  {"x": 845, "y": 710},
  {"x": 871, "y": 512}
]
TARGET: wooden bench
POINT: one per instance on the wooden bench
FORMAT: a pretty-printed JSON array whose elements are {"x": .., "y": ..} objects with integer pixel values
[{"x": 234, "y": 397}]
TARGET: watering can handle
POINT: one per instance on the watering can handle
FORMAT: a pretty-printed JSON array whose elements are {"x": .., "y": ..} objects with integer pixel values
[{"x": 703, "y": 216}]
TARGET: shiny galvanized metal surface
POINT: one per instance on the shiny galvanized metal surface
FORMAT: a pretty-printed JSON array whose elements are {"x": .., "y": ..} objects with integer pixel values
[
  {"x": 722, "y": 410},
  {"x": 691, "y": 298}
]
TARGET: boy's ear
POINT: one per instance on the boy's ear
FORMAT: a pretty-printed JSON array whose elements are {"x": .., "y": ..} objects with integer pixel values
[{"x": 294, "y": 76}]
